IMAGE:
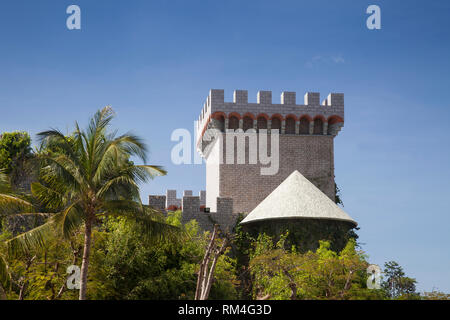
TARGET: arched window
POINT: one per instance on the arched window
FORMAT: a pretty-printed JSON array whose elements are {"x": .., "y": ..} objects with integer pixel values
[
  {"x": 304, "y": 126},
  {"x": 276, "y": 124},
  {"x": 233, "y": 123},
  {"x": 334, "y": 125},
  {"x": 247, "y": 123},
  {"x": 318, "y": 126},
  {"x": 290, "y": 126},
  {"x": 262, "y": 122},
  {"x": 220, "y": 122}
]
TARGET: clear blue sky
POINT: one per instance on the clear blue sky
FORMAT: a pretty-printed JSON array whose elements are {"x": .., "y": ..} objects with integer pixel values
[{"x": 155, "y": 61}]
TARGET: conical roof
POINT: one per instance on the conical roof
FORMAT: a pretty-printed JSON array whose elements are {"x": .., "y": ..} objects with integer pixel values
[{"x": 297, "y": 197}]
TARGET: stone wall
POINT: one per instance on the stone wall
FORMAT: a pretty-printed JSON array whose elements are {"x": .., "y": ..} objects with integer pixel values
[
  {"x": 313, "y": 156},
  {"x": 157, "y": 202},
  {"x": 172, "y": 200},
  {"x": 191, "y": 210},
  {"x": 202, "y": 195},
  {"x": 224, "y": 216}
]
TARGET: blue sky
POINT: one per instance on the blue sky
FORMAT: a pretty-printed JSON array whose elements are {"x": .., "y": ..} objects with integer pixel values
[{"x": 155, "y": 61}]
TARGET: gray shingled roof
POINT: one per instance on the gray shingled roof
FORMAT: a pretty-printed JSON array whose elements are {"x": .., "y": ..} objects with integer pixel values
[{"x": 296, "y": 197}]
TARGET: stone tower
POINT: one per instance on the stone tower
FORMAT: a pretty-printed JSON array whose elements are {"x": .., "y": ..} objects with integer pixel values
[{"x": 305, "y": 143}]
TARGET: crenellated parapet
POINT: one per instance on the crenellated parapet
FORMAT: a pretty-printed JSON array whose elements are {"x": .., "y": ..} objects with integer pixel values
[
  {"x": 171, "y": 199},
  {"x": 224, "y": 215},
  {"x": 309, "y": 118},
  {"x": 192, "y": 208}
]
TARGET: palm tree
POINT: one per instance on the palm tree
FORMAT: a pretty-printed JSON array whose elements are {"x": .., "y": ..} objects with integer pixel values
[{"x": 89, "y": 176}]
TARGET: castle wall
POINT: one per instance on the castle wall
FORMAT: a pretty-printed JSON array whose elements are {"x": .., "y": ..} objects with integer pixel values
[
  {"x": 313, "y": 156},
  {"x": 191, "y": 209},
  {"x": 224, "y": 216},
  {"x": 171, "y": 199},
  {"x": 202, "y": 195},
  {"x": 157, "y": 202}
]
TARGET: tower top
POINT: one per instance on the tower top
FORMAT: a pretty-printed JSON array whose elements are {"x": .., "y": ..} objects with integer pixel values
[{"x": 330, "y": 111}]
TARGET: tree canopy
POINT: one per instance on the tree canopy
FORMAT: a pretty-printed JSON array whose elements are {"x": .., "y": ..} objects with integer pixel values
[{"x": 13, "y": 145}]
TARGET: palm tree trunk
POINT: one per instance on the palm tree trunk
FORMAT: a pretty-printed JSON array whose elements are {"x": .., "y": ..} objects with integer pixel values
[{"x": 86, "y": 255}]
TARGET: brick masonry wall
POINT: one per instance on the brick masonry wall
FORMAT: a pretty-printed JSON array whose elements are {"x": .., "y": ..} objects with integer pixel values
[
  {"x": 171, "y": 199},
  {"x": 157, "y": 202},
  {"x": 202, "y": 195},
  {"x": 313, "y": 156},
  {"x": 310, "y": 150},
  {"x": 224, "y": 217}
]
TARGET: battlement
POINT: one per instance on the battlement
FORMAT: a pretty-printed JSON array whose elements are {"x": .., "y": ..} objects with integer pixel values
[
  {"x": 311, "y": 117},
  {"x": 191, "y": 207},
  {"x": 171, "y": 200},
  {"x": 216, "y": 98}
]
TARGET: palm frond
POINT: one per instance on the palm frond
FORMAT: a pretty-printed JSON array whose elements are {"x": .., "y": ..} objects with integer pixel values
[
  {"x": 9, "y": 202},
  {"x": 116, "y": 151},
  {"x": 65, "y": 169},
  {"x": 5, "y": 186},
  {"x": 153, "y": 171},
  {"x": 96, "y": 133},
  {"x": 70, "y": 220},
  {"x": 32, "y": 239},
  {"x": 5, "y": 275},
  {"x": 132, "y": 145},
  {"x": 55, "y": 140},
  {"x": 116, "y": 187},
  {"x": 151, "y": 221},
  {"x": 100, "y": 121},
  {"x": 52, "y": 198},
  {"x": 57, "y": 225}
]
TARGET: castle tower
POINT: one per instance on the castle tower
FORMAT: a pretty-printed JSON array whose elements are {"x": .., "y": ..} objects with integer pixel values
[{"x": 305, "y": 143}]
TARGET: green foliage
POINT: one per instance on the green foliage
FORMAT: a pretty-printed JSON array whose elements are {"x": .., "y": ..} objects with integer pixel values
[
  {"x": 124, "y": 265},
  {"x": 128, "y": 267},
  {"x": 436, "y": 295},
  {"x": 241, "y": 250},
  {"x": 338, "y": 196},
  {"x": 305, "y": 234},
  {"x": 13, "y": 145},
  {"x": 86, "y": 177},
  {"x": 15, "y": 160},
  {"x": 40, "y": 274},
  {"x": 324, "y": 274},
  {"x": 396, "y": 284}
]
